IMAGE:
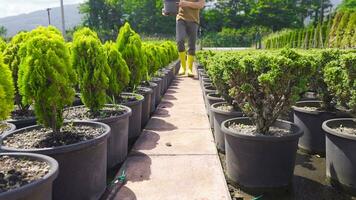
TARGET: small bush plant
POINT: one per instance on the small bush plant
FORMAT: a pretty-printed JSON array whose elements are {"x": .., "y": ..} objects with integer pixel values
[
  {"x": 90, "y": 62},
  {"x": 129, "y": 45},
  {"x": 13, "y": 59},
  {"x": 46, "y": 76},
  {"x": 264, "y": 85},
  {"x": 119, "y": 77},
  {"x": 6, "y": 90},
  {"x": 340, "y": 77}
]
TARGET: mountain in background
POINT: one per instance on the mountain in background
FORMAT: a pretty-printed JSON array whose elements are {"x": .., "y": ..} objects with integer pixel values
[{"x": 31, "y": 20}]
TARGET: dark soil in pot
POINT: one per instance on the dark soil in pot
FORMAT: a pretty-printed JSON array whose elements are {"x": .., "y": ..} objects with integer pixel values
[
  {"x": 26, "y": 176},
  {"x": 133, "y": 101},
  {"x": 81, "y": 152},
  {"x": 340, "y": 153},
  {"x": 23, "y": 119},
  {"x": 77, "y": 101},
  {"x": 259, "y": 161},
  {"x": 147, "y": 93},
  {"x": 154, "y": 87},
  {"x": 309, "y": 117},
  {"x": 158, "y": 90},
  {"x": 115, "y": 116},
  {"x": 211, "y": 99},
  {"x": 6, "y": 127},
  {"x": 222, "y": 111}
]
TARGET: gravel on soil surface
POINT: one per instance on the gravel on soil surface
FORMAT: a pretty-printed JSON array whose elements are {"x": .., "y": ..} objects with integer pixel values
[
  {"x": 4, "y": 127},
  {"x": 225, "y": 107},
  {"x": 128, "y": 98},
  {"x": 19, "y": 171},
  {"x": 251, "y": 130},
  {"x": 46, "y": 138},
  {"x": 346, "y": 130},
  {"x": 83, "y": 113}
]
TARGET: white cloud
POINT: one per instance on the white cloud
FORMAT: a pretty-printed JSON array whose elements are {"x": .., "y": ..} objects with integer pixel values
[{"x": 16, "y": 7}]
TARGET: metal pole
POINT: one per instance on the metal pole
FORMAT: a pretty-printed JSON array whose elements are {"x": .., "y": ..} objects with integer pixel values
[
  {"x": 63, "y": 22},
  {"x": 49, "y": 15}
]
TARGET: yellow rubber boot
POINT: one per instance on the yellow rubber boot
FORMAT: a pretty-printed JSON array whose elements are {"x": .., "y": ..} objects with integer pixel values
[
  {"x": 190, "y": 61},
  {"x": 183, "y": 64}
]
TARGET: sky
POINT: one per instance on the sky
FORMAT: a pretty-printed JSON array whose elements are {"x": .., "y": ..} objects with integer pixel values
[{"x": 16, "y": 7}]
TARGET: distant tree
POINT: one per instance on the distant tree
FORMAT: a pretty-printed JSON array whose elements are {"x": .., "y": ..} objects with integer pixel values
[{"x": 3, "y": 31}]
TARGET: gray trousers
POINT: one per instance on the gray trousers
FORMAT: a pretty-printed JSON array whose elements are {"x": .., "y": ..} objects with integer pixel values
[{"x": 186, "y": 29}]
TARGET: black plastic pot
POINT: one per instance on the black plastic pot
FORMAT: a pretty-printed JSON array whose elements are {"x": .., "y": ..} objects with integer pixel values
[
  {"x": 166, "y": 80},
  {"x": 147, "y": 93},
  {"x": 37, "y": 190},
  {"x": 177, "y": 67},
  {"x": 313, "y": 140},
  {"x": 136, "y": 117},
  {"x": 118, "y": 139},
  {"x": 154, "y": 87},
  {"x": 260, "y": 162},
  {"x": 82, "y": 165},
  {"x": 205, "y": 80},
  {"x": 219, "y": 117},
  {"x": 340, "y": 154},
  {"x": 158, "y": 90},
  {"x": 208, "y": 88},
  {"x": 211, "y": 99},
  {"x": 163, "y": 83},
  {"x": 21, "y": 123},
  {"x": 77, "y": 100},
  {"x": 12, "y": 128},
  {"x": 170, "y": 7}
]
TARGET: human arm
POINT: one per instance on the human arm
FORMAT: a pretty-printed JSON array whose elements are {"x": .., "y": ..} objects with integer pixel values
[{"x": 196, "y": 5}]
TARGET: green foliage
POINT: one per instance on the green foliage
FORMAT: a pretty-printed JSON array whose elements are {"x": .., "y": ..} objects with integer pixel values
[
  {"x": 2, "y": 45},
  {"x": 266, "y": 84},
  {"x": 119, "y": 76},
  {"x": 349, "y": 32},
  {"x": 229, "y": 37},
  {"x": 46, "y": 77},
  {"x": 218, "y": 67},
  {"x": 130, "y": 46},
  {"x": 13, "y": 58},
  {"x": 340, "y": 77},
  {"x": 90, "y": 62},
  {"x": 6, "y": 90},
  {"x": 347, "y": 5},
  {"x": 3, "y": 31}
]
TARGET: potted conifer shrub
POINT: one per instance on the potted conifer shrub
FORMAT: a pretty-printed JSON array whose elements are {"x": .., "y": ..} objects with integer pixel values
[
  {"x": 152, "y": 62},
  {"x": 46, "y": 79},
  {"x": 261, "y": 150},
  {"x": 226, "y": 109},
  {"x": 340, "y": 76},
  {"x": 23, "y": 115},
  {"x": 101, "y": 69},
  {"x": 309, "y": 115},
  {"x": 130, "y": 46},
  {"x": 6, "y": 97}
]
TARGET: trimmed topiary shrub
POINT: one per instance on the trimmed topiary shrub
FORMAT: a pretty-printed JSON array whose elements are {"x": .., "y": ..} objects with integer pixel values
[
  {"x": 340, "y": 77},
  {"x": 6, "y": 90},
  {"x": 90, "y": 62},
  {"x": 119, "y": 77},
  {"x": 46, "y": 76},
  {"x": 265, "y": 85},
  {"x": 130, "y": 46},
  {"x": 13, "y": 58}
]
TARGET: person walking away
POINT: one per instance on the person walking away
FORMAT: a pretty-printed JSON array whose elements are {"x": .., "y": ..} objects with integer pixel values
[{"x": 187, "y": 24}]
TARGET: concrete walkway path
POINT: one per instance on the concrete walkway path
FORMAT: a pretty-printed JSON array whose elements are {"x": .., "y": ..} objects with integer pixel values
[{"x": 175, "y": 157}]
